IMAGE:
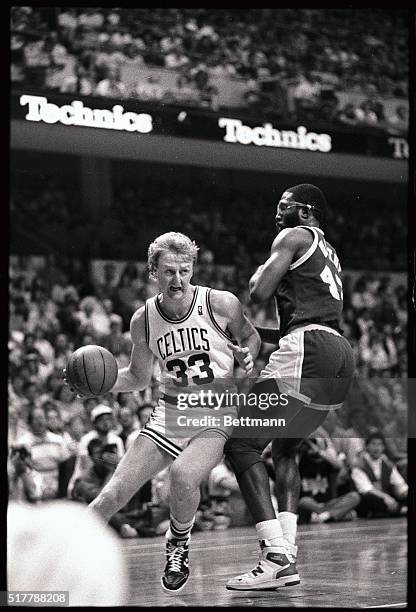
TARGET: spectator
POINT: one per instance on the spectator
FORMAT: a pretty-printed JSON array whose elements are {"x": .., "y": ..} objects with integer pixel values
[
  {"x": 347, "y": 442},
  {"x": 129, "y": 426},
  {"x": 319, "y": 466},
  {"x": 383, "y": 491},
  {"x": 53, "y": 417},
  {"x": 399, "y": 120},
  {"x": 22, "y": 484},
  {"x": 111, "y": 86},
  {"x": 92, "y": 317},
  {"x": 305, "y": 94},
  {"x": 227, "y": 507},
  {"x": 75, "y": 429},
  {"x": 103, "y": 425},
  {"x": 150, "y": 90},
  {"x": 104, "y": 459},
  {"x": 63, "y": 350},
  {"x": 116, "y": 341},
  {"x": 144, "y": 412},
  {"x": 49, "y": 452},
  {"x": 176, "y": 58},
  {"x": 67, "y": 317},
  {"x": 81, "y": 82},
  {"x": 66, "y": 400}
]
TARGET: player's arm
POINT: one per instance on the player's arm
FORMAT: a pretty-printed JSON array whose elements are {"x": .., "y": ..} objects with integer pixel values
[
  {"x": 138, "y": 374},
  {"x": 285, "y": 248},
  {"x": 228, "y": 307}
]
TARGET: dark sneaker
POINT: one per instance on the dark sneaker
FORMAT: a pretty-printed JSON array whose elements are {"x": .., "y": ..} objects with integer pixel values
[{"x": 176, "y": 571}]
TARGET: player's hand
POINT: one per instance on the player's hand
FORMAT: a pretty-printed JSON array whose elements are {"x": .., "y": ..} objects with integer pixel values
[
  {"x": 67, "y": 383},
  {"x": 243, "y": 356},
  {"x": 391, "y": 503}
]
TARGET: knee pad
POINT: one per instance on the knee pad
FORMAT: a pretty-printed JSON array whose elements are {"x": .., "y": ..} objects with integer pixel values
[{"x": 242, "y": 453}]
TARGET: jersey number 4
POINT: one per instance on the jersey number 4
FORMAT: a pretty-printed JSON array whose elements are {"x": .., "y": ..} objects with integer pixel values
[
  {"x": 180, "y": 367},
  {"x": 334, "y": 283}
]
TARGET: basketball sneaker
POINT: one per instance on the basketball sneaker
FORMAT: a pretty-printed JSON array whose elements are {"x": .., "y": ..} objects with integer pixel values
[
  {"x": 276, "y": 568},
  {"x": 176, "y": 571}
]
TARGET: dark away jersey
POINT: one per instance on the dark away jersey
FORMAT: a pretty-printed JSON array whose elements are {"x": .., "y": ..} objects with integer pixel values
[{"x": 311, "y": 290}]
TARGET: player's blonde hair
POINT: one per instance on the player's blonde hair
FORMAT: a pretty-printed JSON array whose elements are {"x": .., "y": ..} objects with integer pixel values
[{"x": 175, "y": 242}]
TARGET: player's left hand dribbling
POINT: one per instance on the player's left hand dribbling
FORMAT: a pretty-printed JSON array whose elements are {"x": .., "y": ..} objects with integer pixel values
[{"x": 243, "y": 356}]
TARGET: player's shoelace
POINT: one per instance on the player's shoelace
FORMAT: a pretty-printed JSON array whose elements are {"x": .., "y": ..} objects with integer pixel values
[{"x": 175, "y": 559}]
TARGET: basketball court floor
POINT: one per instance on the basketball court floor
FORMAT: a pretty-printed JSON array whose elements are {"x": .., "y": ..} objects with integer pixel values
[{"x": 361, "y": 564}]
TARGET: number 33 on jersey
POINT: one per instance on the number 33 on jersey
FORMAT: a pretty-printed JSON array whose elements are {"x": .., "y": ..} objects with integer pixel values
[{"x": 191, "y": 351}]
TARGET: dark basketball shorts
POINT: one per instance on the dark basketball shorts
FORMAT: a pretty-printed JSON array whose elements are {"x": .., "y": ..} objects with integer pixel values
[
  {"x": 313, "y": 368},
  {"x": 314, "y": 364}
]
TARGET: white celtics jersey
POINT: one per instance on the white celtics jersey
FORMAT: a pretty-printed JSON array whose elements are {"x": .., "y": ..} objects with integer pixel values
[{"x": 192, "y": 351}]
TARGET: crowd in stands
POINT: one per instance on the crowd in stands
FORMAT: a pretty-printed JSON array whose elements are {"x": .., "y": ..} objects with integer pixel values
[
  {"x": 49, "y": 210},
  {"x": 297, "y": 64},
  {"x": 62, "y": 445}
]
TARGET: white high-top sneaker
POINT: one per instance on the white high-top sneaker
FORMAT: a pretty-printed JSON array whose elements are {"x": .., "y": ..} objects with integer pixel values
[{"x": 276, "y": 568}]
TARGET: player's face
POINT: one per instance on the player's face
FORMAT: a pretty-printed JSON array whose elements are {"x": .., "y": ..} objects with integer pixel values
[
  {"x": 287, "y": 215},
  {"x": 174, "y": 273}
]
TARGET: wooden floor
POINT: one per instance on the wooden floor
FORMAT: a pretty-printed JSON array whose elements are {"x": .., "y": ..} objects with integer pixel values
[{"x": 354, "y": 565}]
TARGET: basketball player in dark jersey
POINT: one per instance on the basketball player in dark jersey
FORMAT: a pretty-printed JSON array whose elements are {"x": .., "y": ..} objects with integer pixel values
[{"x": 313, "y": 365}]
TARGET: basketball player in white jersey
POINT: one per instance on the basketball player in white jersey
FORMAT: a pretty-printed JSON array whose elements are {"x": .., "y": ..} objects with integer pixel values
[{"x": 190, "y": 330}]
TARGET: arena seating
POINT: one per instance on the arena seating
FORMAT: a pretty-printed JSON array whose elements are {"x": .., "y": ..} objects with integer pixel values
[{"x": 344, "y": 66}]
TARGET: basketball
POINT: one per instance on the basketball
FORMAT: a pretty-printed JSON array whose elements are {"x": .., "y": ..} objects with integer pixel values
[{"x": 92, "y": 370}]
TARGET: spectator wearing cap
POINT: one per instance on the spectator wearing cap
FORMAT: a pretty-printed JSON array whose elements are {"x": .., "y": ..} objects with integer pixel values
[
  {"x": 383, "y": 491},
  {"x": 103, "y": 425},
  {"x": 104, "y": 460},
  {"x": 49, "y": 453}
]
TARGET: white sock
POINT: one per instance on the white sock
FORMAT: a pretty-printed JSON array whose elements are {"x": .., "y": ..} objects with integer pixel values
[
  {"x": 271, "y": 532},
  {"x": 288, "y": 522},
  {"x": 178, "y": 530}
]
